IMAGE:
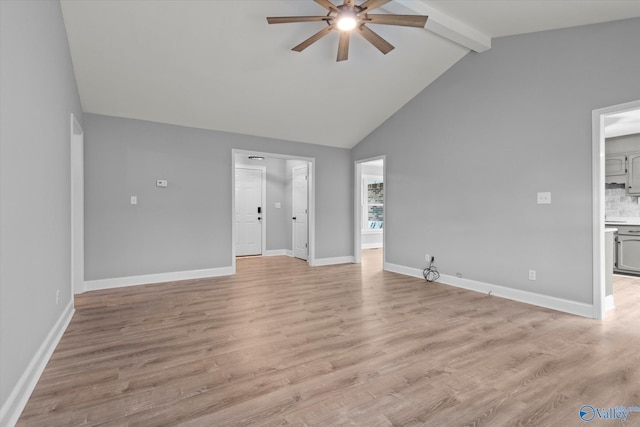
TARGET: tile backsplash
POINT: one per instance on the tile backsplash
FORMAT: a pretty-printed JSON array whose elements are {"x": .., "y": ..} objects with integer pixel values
[{"x": 618, "y": 203}]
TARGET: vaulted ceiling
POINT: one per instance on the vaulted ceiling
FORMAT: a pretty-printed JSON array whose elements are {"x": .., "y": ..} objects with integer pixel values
[{"x": 217, "y": 64}]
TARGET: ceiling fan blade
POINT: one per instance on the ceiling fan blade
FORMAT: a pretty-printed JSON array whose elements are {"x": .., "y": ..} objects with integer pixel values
[
  {"x": 289, "y": 19},
  {"x": 314, "y": 38},
  {"x": 327, "y": 5},
  {"x": 403, "y": 20},
  {"x": 373, "y": 38},
  {"x": 369, "y": 5},
  {"x": 343, "y": 46}
]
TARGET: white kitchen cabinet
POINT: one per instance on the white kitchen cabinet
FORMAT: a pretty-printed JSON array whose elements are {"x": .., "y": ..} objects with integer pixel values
[
  {"x": 629, "y": 253},
  {"x": 616, "y": 169},
  {"x": 633, "y": 174},
  {"x": 628, "y": 249}
]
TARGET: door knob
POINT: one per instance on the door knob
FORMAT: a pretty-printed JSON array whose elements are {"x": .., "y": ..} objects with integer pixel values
[{"x": 294, "y": 218}]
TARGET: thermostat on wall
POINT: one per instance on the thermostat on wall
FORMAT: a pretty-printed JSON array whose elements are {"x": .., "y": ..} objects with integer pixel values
[{"x": 161, "y": 183}]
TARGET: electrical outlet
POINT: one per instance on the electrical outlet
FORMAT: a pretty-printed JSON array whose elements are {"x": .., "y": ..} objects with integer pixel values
[
  {"x": 532, "y": 275},
  {"x": 427, "y": 257},
  {"x": 57, "y": 296},
  {"x": 161, "y": 183},
  {"x": 544, "y": 198},
  {"x": 134, "y": 200}
]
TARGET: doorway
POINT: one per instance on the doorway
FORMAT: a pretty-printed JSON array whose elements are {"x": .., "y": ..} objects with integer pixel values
[
  {"x": 369, "y": 207},
  {"x": 282, "y": 235},
  {"x": 598, "y": 208}
]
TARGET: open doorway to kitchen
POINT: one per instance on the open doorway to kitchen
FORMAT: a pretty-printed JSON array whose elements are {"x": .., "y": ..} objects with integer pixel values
[
  {"x": 369, "y": 208},
  {"x": 273, "y": 214},
  {"x": 613, "y": 175}
]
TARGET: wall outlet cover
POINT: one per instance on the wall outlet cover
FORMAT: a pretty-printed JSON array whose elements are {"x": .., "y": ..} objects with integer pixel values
[{"x": 544, "y": 198}]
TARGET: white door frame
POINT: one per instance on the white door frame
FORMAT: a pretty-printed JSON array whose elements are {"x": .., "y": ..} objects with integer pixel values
[
  {"x": 77, "y": 206},
  {"x": 312, "y": 199},
  {"x": 263, "y": 199},
  {"x": 597, "y": 175},
  {"x": 357, "y": 208}
]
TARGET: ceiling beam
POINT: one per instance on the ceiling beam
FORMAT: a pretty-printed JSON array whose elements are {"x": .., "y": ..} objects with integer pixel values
[{"x": 442, "y": 24}]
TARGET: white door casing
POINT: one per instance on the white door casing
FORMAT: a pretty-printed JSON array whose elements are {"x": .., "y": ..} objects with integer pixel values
[
  {"x": 249, "y": 210},
  {"x": 300, "y": 212},
  {"x": 77, "y": 207}
]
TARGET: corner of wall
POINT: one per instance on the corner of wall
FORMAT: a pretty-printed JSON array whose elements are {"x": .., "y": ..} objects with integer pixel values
[{"x": 17, "y": 400}]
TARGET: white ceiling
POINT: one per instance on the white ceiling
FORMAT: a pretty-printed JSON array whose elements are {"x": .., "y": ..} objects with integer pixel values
[
  {"x": 217, "y": 64},
  {"x": 498, "y": 18}
]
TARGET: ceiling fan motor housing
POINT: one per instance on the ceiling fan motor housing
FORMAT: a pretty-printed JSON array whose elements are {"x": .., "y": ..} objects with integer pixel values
[{"x": 345, "y": 11}]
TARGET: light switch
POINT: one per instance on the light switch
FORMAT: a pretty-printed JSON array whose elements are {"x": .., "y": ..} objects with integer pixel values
[
  {"x": 278, "y": 205},
  {"x": 134, "y": 200},
  {"x": 544, "y": 198},
  {"x": 161, "y": 183}
]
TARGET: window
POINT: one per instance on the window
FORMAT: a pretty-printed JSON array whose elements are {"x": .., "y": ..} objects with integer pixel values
[{"x": 372, "y": 203}]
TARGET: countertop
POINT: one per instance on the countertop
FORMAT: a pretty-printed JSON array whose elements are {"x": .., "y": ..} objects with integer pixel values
[{"x": 615, "y": 221}]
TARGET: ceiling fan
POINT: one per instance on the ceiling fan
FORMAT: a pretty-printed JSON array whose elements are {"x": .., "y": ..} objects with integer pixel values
[{"x": 349, "y": 17}]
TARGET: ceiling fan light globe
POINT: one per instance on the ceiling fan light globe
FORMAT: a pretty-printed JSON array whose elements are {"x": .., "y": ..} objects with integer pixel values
[{"x": 346, "y": 23}]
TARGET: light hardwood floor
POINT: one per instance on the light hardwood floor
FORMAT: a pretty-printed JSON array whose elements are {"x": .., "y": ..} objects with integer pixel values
[{"x": 281, "y": 343}]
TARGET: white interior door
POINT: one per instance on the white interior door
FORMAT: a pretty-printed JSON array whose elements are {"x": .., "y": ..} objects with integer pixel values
[
  {"x": 249, "y": 211},
  {"x": 300, "y": 212}
]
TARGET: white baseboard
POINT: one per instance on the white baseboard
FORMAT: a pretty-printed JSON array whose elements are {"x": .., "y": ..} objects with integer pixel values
[
  {"x": 319, "y": 262},
  {"x": 554, "y": 303},
  {"x": 608, "y": 303},
  {"x": 371, "y": 245},
  {"x": 120, "y": 282},
  {"x": 278, "y": 252},
  {"x": 14, "y": 405},
  {"x": 401, "y": 269}
]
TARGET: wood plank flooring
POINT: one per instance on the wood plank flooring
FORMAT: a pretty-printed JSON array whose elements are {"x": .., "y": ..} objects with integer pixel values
[{"x": 281, "y": 343}]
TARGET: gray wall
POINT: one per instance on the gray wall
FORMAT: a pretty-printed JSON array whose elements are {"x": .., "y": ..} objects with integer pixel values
[
  {"x": 38, "y": 94},
  {"x": 466, "y": 157},
  {"x": 277, "y": 218},
  {"x": 186, "y": 226},
  {"x": 368, "y": 169}
]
